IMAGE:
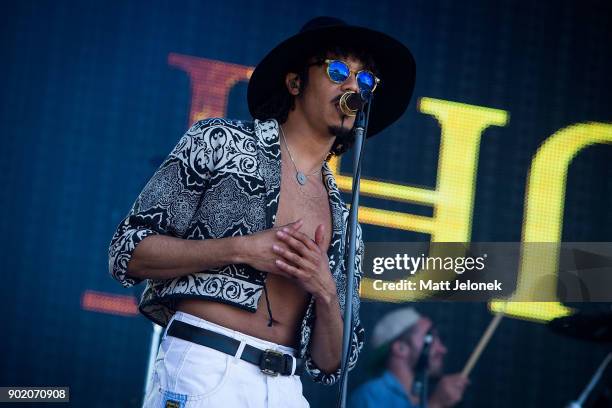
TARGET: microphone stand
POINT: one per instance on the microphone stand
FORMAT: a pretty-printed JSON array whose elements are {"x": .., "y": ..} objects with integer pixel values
[
  {"x": 155, "y": 340},
  {"x": 421, "y": 380},
  {"x": 361, "y": 125}
]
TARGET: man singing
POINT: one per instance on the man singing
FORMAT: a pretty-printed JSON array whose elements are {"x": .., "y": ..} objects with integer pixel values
[{"x": 244, "y": 209}]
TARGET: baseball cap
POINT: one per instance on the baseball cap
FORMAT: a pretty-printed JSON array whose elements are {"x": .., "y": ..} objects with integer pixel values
[{"x": 393, "y": 324}]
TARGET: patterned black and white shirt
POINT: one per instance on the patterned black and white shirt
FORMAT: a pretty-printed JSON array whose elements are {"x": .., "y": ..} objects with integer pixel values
[{"x": 223, "y": 179}]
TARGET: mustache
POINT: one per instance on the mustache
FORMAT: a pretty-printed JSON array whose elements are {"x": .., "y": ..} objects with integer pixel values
[{"x": 336, "y": 99}]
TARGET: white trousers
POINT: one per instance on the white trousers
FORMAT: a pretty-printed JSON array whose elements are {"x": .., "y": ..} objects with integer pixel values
[{"x": 188, "y": 375}]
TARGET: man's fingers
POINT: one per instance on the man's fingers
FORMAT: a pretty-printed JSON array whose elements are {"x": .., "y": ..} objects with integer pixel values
[
  {"x": 300, "y": 237},
  {"x": 289, "y": 256},
  {"x": 295, "y": 225},
  {"x": 290, "y": 270},
  {"x": 461, "y": 380},
  {"x": 319, "y": 235},
  {"x": 293, "y": 255},
  {"x": 287, "y": 236}
]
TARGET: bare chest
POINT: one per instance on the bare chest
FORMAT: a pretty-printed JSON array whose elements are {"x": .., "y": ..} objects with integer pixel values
[{"x": 309, "y": 202}]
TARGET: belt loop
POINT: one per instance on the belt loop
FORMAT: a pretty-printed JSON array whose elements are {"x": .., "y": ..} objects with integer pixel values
[
  {"x": 240, "y": 350},
  {"x": 293, "y": 364},
  {"x": 165, "y": 332}
]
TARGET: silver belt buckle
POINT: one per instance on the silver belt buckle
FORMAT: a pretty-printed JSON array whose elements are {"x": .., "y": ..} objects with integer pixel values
[{"x": 267, "y": 362}]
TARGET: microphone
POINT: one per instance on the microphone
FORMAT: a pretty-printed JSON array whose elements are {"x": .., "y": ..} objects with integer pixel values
[
  {"x": 350, "y": 103},
  {"x": 419, "y": 386}
]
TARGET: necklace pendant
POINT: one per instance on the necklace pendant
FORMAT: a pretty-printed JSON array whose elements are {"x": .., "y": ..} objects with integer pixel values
[{"x": 301, "y": 178}]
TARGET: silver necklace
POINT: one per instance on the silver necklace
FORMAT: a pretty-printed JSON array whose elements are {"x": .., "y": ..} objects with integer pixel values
[{"x": 301, "y": 178}]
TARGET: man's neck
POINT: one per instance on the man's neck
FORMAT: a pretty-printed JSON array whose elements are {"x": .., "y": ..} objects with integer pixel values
[
  {"x": 405, "y": 376},
  {"x": 308, "y": 146}
]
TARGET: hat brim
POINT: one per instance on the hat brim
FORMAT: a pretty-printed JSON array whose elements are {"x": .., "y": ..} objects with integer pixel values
[{"x": 394, "y": 62}]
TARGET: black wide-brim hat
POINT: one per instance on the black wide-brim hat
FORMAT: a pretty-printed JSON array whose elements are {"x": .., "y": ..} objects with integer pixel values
[{"x": 394, "y": 62}]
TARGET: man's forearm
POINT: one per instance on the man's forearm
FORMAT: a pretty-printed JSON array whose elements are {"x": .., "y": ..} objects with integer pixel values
[
  {"x": 165, "y": 257},
  {"x": 326, "y": 348}
]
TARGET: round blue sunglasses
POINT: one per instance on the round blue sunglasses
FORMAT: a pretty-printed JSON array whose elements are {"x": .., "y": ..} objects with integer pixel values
[{"x": 339, "y": 71}]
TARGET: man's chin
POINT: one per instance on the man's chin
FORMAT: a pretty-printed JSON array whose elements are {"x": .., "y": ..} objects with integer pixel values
[
  {"x": 343, "y": 132},
  {"x": 436, "y": 370}
]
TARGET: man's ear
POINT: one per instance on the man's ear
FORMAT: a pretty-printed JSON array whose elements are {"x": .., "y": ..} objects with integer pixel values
[
  {"x": 400, "y": 348},
  {"x": 292, "y": 81}
]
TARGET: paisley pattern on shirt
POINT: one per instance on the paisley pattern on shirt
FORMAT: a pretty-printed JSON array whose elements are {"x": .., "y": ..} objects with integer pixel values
[{"x": 222, "y": 179}]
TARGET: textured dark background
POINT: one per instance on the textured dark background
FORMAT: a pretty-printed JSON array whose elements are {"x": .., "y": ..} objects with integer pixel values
[{"x": 89, "y": 106}]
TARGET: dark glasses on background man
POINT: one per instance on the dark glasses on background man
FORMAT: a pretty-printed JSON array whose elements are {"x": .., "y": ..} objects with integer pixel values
[{"x": 338, "y": 71}]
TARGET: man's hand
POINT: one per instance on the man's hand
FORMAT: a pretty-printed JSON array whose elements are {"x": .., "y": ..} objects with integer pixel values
[
  {"x": 449, "y": 391},
  {"x": 257, "y": 248},
  {"x": 305, "y": 260}
]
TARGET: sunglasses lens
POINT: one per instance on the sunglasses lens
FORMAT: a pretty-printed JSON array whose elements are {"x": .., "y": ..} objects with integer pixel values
[
  {"x": 366, "y": 81},
  {"x": 338, "y": 71}
]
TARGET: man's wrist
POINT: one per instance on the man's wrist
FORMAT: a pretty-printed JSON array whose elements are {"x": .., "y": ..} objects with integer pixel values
[
  {"x": 229, "y": 250},
  {"x": 327, "y": 299},
  {"x": 238, "y": 250}
]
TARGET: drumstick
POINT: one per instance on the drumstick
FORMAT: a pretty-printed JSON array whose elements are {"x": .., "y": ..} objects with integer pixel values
[{"x": 481, "y": 345}]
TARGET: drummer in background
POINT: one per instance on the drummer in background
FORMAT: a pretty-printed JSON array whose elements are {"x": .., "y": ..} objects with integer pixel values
[{"x": 398, "y": 341}]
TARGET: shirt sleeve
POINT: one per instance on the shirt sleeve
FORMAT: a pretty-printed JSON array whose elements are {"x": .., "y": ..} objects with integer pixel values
[
  {"x": 358, "y": 333},
  {"x": 168, "y": 202}
]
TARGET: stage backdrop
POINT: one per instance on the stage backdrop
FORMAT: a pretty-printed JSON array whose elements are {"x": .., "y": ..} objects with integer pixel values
[{"x": 96, "y": 94}]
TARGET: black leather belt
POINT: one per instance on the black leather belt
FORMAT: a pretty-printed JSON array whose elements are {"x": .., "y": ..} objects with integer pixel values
[{"x": 271, "y": 362}]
